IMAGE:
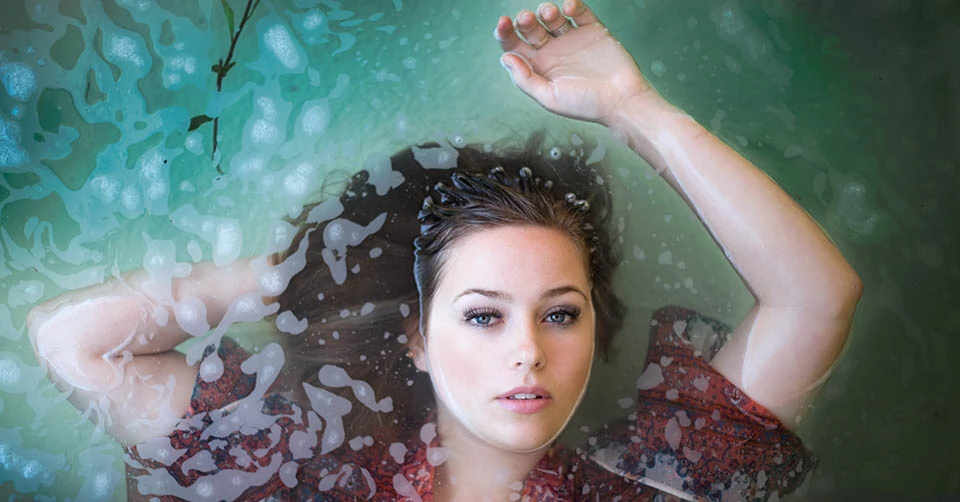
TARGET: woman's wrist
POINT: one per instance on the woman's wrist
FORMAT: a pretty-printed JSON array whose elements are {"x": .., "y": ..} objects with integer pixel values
[
  {"x": 640, "y": 121},
  {"x": 636, "y": 121}
]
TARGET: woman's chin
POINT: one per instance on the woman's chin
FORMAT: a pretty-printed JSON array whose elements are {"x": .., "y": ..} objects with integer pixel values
[{"x": 523, "y": 440}]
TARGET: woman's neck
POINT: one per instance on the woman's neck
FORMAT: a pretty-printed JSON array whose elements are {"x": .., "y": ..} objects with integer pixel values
[{"x": 473, "y": 470}]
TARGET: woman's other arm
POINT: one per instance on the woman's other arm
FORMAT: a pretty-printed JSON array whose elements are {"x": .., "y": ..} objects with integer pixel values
[
  {"x": 111, "y": 345},
  {"x": 805, "y": 290}
]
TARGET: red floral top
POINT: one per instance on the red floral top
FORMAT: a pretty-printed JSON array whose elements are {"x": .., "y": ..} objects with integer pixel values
[{"x": 694, "y": 435}]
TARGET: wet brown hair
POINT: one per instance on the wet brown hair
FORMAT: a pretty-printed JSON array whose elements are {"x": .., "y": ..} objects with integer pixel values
[{"x": 425, "y": 199}]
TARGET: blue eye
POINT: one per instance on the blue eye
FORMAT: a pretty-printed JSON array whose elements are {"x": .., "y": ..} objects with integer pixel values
[
  {"x": 481, "y": 318},
  {"x": 563, "y": 316},
  {"x": 557, "y": 317}
]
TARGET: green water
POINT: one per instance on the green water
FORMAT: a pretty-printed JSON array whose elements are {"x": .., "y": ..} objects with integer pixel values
[{"x": 852, "y": 107}]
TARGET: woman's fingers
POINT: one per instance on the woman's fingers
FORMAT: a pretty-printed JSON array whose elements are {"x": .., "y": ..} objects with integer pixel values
[
  {"x": 579, "y": 12},
  {"x": 509, "y": 40},
  {"x": 531, "y": 29},
  {"x": 531, "y": 83},
  {"x": 551, "y": 18}
]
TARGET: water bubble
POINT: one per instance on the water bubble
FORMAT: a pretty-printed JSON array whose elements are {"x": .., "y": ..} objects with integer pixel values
[{"x": 658, "y": 68}]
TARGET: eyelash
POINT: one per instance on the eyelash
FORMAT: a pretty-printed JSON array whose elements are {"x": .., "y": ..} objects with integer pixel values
[
  {"x": 470, "y": 316},
  {"x": 571, "y": 313}
]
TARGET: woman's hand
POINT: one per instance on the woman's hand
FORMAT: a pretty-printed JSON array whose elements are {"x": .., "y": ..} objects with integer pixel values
[{"x": 580, "y": 72}]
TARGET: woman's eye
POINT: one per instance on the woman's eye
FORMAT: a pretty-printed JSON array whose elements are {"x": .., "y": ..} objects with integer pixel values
[
  {"x": 481, "y": 318},
  {"x": 562, "y": 317}
]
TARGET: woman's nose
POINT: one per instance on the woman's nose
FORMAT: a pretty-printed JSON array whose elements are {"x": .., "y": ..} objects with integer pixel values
[{"x": 528, "y": 352}]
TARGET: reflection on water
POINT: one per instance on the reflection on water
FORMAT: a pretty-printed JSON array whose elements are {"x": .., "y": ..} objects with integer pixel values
[{"x": 108, "y": 164}]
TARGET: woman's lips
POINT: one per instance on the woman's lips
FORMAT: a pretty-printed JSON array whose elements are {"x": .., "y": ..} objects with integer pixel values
[
  {"x": 524, "y": 391},
  {"x": 525, "y": 400}
]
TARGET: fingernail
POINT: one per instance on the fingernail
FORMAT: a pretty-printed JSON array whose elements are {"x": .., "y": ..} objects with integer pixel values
[{"x": 506, "y": 64}]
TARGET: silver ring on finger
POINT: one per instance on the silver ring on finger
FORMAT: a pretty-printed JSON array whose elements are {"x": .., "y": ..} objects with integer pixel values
[{"x": 563, "y": 28}]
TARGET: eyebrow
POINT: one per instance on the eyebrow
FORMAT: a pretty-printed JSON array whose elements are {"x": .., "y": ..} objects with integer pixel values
[{"x": 500, "y": 295}]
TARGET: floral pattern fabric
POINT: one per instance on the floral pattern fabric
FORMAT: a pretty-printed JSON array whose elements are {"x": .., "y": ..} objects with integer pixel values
[{"x": 693, "y": 436}]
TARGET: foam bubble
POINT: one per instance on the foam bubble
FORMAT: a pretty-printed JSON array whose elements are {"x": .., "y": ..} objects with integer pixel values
[
  {"x": 191, "y": 315},
  {"x": 131, "y": 199},
  {"x": 658, "y": 68},
  {"x": 278, "y": 40},
  {"x": 229, "y": 237},
  {"x": 18, "y": 79},
  {"x": 11, "y": 153},
  {"x": 194, "y": 143},
  {"x": 287, "y": 322},
  {"x": 10, "y": 373},
  {"x": 264, "y": 132},
  {"x": 106, "y": 188},
  {"x": 313, "y": 20},
  {"x": 314, "y": 120},
  {"x": 124, "y": 48}
]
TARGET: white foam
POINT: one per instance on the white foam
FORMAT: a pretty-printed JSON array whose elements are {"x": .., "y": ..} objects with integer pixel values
[
  {"x": 191, "y": 315},
  {"x": 10, "y": 373},
  {"x": 18, "y": 79},
  {"x": 194, "y": 143},
  {"x": 131, "y": 200},
  {"x": 106, "y": 188},
  {"x": 278, "y": 40},
  {"x": 263, "y": 132},
  {"x": 229, "y": 237},
  {"x": 124, "y": 48},
  {"x": 280, "y": 234},
  {"x": 288, "y": 323},
  {"x": 315, "y": 119},
  {"x": 313, "y": 20}
]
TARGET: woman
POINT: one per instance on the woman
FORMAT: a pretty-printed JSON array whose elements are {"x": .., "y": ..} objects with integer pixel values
[{"x": 512, "y": 284}]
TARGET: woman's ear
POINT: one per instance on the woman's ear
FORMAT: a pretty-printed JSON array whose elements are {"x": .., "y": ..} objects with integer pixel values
[{"x": 415, "y": 346}]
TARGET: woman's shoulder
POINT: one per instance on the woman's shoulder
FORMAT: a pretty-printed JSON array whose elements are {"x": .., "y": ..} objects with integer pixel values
[{"x": 694, "y": 431}]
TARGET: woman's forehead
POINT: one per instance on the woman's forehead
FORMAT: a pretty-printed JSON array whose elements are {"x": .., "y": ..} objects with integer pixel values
[{"x": 515, "y": 257}]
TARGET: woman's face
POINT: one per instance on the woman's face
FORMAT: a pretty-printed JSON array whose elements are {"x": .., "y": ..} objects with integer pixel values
[{"x": 510, "y": 336}]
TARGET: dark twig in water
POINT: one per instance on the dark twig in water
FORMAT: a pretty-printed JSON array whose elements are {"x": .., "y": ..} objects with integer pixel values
[{"x": 224, "y": 66}]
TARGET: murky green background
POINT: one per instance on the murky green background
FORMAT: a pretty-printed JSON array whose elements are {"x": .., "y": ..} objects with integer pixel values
[{"x": 853, "y": 107}]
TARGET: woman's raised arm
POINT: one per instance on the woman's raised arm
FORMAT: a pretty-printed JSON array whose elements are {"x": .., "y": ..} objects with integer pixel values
[
  {"x": 805, "y": 290},
  {"x": 111, "y": 345}
]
